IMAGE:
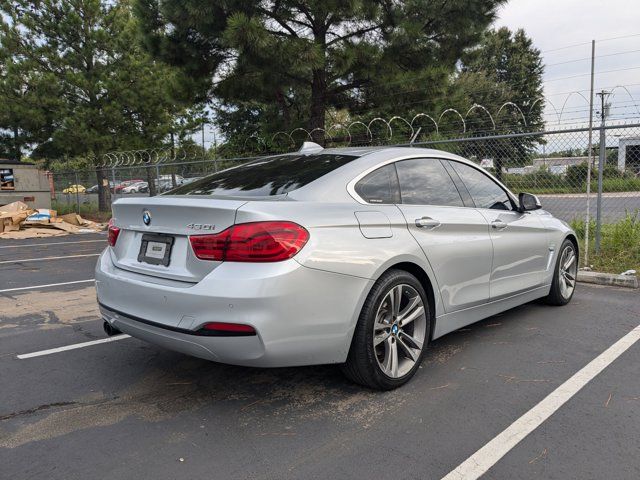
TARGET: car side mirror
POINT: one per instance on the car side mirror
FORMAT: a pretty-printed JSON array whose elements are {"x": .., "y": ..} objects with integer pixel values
[{"x": 528, "y": 202}]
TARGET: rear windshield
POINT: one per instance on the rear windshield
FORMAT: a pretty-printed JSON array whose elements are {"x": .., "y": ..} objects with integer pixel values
[{"x": 265, "y": 177}]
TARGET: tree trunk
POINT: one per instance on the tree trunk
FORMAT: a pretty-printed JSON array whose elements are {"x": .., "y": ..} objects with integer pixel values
[
  {"x": 153, "y": 191},
  {"x": 104, "y": 192},
  {"x": 318, "y": 104}
]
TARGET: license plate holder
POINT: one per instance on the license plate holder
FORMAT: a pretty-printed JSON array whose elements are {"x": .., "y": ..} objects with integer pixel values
[{"x": 156, "y": 249}]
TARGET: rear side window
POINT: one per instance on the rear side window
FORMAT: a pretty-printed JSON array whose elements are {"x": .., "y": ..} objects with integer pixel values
[
  {"x": 265, "y": 177},
  {"x": 380, "y": 186},
  {"x": 483, "y": 190},
  {"x": 425, "y": 181}
]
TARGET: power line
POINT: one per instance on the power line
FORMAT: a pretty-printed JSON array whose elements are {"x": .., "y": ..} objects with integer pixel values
[
  {"x": 597, "y": 73},
  {"x": 589, "y": 58},
  {"x": 589, "y": 43}
]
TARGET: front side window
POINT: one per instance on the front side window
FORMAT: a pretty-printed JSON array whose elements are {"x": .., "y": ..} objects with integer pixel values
[
  {"x": 483, "y": 190},
  {"x": 265, "y": 177},
  {"x": 380, "y": 186},
  {"x": 425, "y": 181}
]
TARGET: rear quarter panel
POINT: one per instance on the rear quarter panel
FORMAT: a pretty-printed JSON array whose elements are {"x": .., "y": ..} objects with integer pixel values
[{"x": 336, "y": 242}]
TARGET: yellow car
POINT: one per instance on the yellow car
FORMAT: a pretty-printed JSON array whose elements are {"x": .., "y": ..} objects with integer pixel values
[{"x": 74, "y": 189}]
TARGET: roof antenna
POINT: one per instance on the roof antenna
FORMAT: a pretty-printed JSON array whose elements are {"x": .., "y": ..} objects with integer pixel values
[
  {"x": 310, "y": 147},
  {"x": 413, "y": 139}
]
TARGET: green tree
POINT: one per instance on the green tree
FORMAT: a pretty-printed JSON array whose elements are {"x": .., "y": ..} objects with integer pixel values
[
  {"x": 504, "y": 74},
  {"x": 28, "y": 100},
  {"x": 291, "y": 61},
  {"x": 112, "y": 95}
]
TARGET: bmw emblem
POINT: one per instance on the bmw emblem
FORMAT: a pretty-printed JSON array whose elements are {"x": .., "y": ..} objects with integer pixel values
[{"x": 146, "y": 217}]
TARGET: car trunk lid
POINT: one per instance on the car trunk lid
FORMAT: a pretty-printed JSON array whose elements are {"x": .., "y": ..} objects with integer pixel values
[{"x": 170, "y": 221}]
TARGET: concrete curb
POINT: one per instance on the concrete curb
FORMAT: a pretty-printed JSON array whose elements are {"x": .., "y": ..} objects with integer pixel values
[{"x": 629, "y": 281}]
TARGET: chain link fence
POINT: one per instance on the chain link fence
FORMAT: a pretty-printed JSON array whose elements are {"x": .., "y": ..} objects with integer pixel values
[{"x": 591, "y": 183}]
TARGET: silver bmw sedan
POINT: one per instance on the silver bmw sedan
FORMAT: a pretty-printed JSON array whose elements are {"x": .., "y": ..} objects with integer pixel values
[{"x": 353, "y": 256}]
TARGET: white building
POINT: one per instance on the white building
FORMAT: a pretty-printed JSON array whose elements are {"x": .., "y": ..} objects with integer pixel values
[{"x": 629, "y": 154}]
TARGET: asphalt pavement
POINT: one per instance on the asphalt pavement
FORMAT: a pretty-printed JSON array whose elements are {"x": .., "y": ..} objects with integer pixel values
[
  {"x": 615, "y": 205},
  {"x": 126, "y": 409}
]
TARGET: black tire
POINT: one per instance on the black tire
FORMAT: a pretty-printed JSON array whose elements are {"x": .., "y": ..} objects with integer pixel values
[
  {"x": 361, "y": 366},
  {"x": 556, "y": 296}
]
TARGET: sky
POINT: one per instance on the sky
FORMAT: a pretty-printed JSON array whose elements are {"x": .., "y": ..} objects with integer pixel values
[{"x": 563, "y": 30}]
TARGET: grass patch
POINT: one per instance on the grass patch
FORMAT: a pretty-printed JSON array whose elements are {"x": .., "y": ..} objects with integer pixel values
[
  {"x": 619, "y": 245},
  {"x": 88, "y": 210}
]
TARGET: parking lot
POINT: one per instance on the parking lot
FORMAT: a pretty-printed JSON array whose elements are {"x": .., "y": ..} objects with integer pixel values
[{"x": 125, "y": 409}]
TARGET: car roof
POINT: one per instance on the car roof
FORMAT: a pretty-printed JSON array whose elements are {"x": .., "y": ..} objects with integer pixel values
[{"x": 333, "y": 185}]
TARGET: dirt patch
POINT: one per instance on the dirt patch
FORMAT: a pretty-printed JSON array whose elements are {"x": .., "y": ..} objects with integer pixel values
[
  {"x": 48, "y": 309},
  {"x": 258, "y": 400}
]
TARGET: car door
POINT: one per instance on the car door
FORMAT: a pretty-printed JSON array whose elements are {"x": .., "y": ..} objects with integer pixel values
[
  {"x": 520, "y": 242},
  {"x": 454, "y": 237}
]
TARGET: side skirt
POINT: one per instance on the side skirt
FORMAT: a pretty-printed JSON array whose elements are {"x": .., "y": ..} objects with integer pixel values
[{"x": 450, "y": 322}]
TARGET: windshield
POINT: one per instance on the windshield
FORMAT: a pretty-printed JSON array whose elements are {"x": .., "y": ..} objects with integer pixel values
[{"x": 265, "y": 177}]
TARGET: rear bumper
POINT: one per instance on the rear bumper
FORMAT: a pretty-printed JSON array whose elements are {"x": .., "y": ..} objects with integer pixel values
[
  {"x": 302, "y": 316},
  {"x": 217, "y": 349}
]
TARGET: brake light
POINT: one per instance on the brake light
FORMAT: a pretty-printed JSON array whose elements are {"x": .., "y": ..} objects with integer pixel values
[
  {"x": 113, "y": 233},
  {"x": 252, "y": 242}
]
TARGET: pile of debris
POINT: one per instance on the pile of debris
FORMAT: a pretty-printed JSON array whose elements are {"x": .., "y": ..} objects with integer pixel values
[{"x": 18, "y": 220}]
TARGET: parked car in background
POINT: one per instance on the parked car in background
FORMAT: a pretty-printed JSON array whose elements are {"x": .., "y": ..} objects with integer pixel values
[
  {"x": 125, "y": 183},
  {"x": 74, "y": 189},
  {"x": 92, "y": 189},
  {"x": 168, "y": 178},
  {"x": 164, "y": 185},
  {"x": 190, "y": 179},
  {"x": 353, "y": 256},
  {"x": 138, "y": 187}
]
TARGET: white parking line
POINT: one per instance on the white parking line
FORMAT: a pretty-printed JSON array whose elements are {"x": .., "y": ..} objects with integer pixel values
[
  {"x": 41, "y": 259},
  {"x": 72, "y": 347},
  {"x": 34, "y": 287},
  {"x": 481, "y": 461},
  {"x": 52, "y": 243}
]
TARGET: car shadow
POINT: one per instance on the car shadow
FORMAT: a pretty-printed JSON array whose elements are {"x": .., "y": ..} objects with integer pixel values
[{"x": 174, "y": 383}]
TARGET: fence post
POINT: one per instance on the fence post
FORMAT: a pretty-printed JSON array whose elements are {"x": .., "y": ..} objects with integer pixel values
[
  {"x": 601, "y": 161},
  {"x": 113, "y": 184},
  {"x": 157, "y": 178},
  {"x": 603, "y": 146},
  {"x": 77, "y": 194},
  {"x": 590, "y": 160}
]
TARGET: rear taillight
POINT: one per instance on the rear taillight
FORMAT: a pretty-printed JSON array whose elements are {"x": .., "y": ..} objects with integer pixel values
[
  {"x": 252, "y": 242},
  {"x": 210, "y": 247},
  {"x": 113, "y": 233}
]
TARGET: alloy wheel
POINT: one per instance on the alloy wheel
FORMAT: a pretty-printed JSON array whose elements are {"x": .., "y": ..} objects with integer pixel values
[
  {"x": 568, "y": 271},
  {"x": 399, "y": 330}
]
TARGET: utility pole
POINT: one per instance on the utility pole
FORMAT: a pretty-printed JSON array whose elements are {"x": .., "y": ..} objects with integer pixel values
[
  {"x": 204, "y": 151},
  {"x": 590, "y": 161},
  {"x": 215, "y": 151},
  {"x": 604, "y": 107},
  {"x": 174, "y": 183}
]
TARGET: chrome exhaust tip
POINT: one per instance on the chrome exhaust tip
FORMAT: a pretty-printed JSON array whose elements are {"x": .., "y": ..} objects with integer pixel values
[{"x": 110, "y": 329}]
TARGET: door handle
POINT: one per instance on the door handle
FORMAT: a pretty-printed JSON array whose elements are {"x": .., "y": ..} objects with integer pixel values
[
  {"x": 427, "y": 222},
  {"x": 498, "y": 225}
]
